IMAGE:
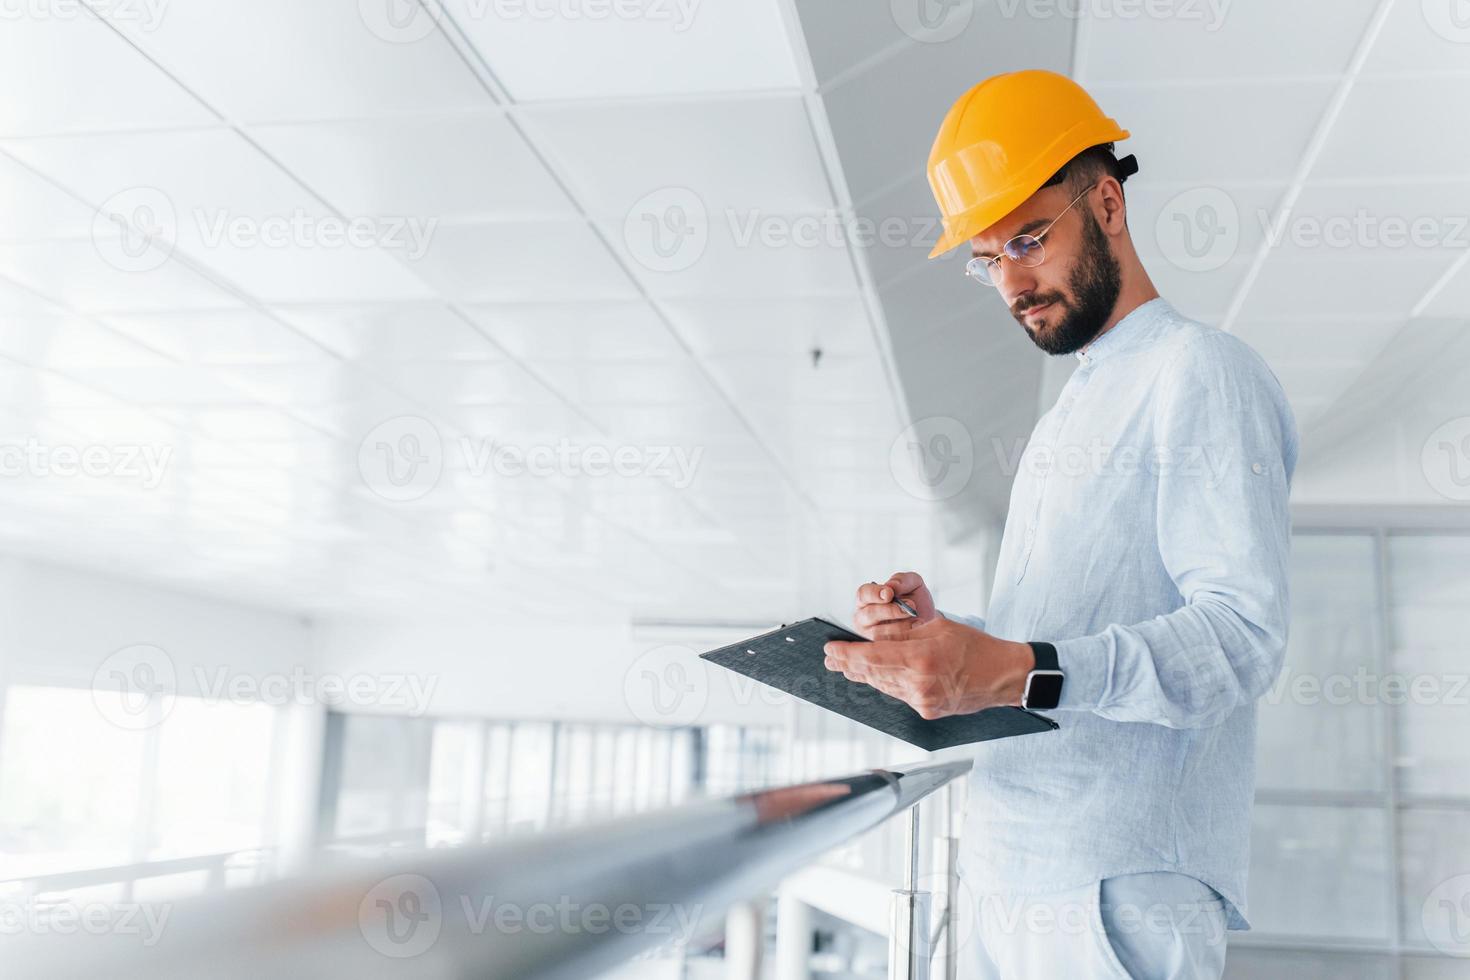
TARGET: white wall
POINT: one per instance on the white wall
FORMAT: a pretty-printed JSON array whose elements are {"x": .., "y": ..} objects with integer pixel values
[
  {"x": 588, "y": 672},
  {"x": 59, "y": 624}
]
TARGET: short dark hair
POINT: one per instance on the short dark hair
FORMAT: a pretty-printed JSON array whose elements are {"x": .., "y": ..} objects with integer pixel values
[{"x": 1088, "y": 167}]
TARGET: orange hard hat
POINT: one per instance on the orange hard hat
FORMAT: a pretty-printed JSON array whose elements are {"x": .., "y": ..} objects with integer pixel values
[{"x": 1003, "y": 140}]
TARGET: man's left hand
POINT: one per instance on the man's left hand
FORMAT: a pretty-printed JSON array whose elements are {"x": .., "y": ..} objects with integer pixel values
[{"x": 939, "y": 668}]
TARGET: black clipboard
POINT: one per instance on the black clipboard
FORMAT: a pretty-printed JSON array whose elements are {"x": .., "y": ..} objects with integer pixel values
[{"x": 790, "y": 659}]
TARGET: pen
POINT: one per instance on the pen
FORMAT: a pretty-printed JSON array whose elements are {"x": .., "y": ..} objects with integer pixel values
[{"x": 904, "y": 605}]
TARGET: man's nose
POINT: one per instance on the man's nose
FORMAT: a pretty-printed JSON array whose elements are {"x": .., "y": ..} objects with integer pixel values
[{"x": 1016, "y": 282}]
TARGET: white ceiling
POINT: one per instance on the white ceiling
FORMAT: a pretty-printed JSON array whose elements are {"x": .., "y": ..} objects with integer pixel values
[
  {"x": 524, "y": 312},
  {"x": 516, "y": 167},
  {"x": 1297, "y": 119}
]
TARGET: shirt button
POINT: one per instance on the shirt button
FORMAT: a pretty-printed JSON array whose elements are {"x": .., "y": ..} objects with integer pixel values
[{"x": 1257, "y": 469}]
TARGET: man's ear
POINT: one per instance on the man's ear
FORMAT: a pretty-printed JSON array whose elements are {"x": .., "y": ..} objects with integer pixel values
[{"x": 1114, "y": 208}]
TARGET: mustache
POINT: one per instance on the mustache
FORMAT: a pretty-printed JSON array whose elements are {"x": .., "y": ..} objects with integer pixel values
[{"x": 1018, "y": 309}]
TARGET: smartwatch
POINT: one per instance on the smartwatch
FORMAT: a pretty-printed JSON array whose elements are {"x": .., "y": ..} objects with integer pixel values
[{"x": 1044, "y": 684}]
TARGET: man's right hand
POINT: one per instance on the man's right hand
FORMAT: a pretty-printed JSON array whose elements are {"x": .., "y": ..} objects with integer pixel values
[{"x": 878, "y": 617}]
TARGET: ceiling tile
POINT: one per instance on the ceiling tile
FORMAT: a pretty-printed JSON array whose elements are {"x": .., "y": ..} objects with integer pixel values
[
  {"x": 1351, "y": 284},
  {"x": 1376, "y": 138},
  {"x": 116, "y": 425},
  {"x": 793, "y": 381},
  {"x": 539, "y": 332},
  {"x": 645, "y": 48},
  {"x": 841, "y": 34},
  {"x": 1202, "y": 294},
  {"x": 443, "y": 383},
  {"x": 897, "y": 229},
  {"x": 315, "y": 384},
  {"x": 75, "y": 274},
  {"x": 16, "y": 298},
  {"x": 1420, "y": 37},
  {"x": 739, "y": 259},
  {"x": 1311, "y": 383},
  {"x": 521, "y": 262},
  {"x": 254, "y": 424},
  {"x": 596, "y": 383},
  {"x": 1428, "y": 220},
  {"x": 37, "y": 391},
  {"x": 1453, "y": 298},
  {"x": 523, "y": 424},
  {"x": 892, "y": 110},
  {"x": 220, "y": 337},
  {"x": 1228, "y": 133},
  {"x": 441, "y": 168},
  {"x": 175, "y": 384},
  {"x": 60, "y": 63},
  {"x": 937, "y": 298},
  {"x": 274, "y": 60},
  {"x": 705, "y": 419},
  {"x": 32, "y": 208},
  {"x": 63, "y": 342},
  {"x": 836, "y": 325},
  {"x": 1334, "y": 338},
  {"x": 1198, "y": 226},
  {"x": 741, "y": 155},
  {"x": 1223, "y": 41},
  {"x": 212, "y": 196},
  {"x": 391, "y": 332}
]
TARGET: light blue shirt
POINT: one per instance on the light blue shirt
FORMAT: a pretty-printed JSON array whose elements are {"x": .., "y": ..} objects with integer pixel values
[{"x": 1147, "y": 538}]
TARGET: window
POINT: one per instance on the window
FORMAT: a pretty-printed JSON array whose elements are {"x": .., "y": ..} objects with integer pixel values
[
  {"x": 376, "y": 775},
  {"x": 1363, "y": 764},
  {"x": 416, "y": 782},
  {"x": 79, "y": 793}
]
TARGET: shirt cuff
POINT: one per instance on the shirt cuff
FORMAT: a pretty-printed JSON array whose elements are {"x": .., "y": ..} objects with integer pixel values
[
  {"x": 978, "y": 622},
  {"x": 1084, "y": 663}
]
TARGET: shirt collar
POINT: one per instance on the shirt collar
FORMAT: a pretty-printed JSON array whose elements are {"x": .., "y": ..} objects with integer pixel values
[{"x": 1140, "y": 324}]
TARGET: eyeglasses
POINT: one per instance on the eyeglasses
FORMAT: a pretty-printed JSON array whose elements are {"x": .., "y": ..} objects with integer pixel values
[{"x": 1024, "y": 250}]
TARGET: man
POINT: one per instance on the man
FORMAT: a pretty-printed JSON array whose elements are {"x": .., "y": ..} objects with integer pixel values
[{"x": 1141, "y": 588}]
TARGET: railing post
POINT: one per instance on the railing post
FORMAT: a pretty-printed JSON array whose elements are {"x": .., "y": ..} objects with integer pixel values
[
  {"x": 908, "y": 925},
  {"x": 793, "y": 938},
  {"x": 744, "y": 940},
  {"x": 946, "y": 869}
]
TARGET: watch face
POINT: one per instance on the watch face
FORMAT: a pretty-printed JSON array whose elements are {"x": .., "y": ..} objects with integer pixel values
[{"x": 1043, "y": 689}]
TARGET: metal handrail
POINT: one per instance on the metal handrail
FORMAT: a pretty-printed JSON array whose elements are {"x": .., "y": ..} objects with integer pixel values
[{"x": 552, "y": 907}]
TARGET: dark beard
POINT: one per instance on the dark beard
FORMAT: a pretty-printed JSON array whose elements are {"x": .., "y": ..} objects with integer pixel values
[{"x": 1095, "y": 282}]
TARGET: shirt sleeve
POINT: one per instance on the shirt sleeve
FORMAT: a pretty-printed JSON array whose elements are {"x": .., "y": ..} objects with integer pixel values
[
  {"x": 1227, "y": 447},
  {"x": 976, "y": 621}
]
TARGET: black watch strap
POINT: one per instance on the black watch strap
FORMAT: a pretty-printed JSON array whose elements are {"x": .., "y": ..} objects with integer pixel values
[
  {"x": 1046, "y": 656},
  {"x": 1044, "y": 682}
]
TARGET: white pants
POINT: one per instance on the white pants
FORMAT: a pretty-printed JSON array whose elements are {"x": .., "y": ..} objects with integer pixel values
[{"x": 1152, "y": 926}]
